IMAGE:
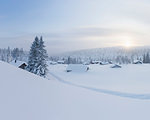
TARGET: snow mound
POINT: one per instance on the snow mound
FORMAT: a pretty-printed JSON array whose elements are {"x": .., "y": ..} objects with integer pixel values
[{"x": 77, "y": 68}]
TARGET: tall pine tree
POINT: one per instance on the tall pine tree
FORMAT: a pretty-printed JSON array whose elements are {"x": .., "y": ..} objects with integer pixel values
[
  {"x": 37, "y": 58},
  {"x": 42, "y": 59}
]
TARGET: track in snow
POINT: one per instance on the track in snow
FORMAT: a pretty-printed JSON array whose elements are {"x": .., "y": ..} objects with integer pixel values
[{"x": 116, "y": 93}]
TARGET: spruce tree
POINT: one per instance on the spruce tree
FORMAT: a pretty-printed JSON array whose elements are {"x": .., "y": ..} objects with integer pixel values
[
  {"x": 147, "y": 58},
  {"x": 144, "y": 58},
  {"x": 33, "y": 56},
  {"x": 42, "y": 66},
  {"x": 37, "y": 58}
]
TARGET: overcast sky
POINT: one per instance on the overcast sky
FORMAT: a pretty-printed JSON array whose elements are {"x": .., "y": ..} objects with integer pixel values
[{"x": 68, "y": 25}]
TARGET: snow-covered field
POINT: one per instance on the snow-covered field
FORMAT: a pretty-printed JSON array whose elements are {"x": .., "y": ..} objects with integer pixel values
[
  {"x": 130, "y": 78},
  {"x": 65, "y": 96}
]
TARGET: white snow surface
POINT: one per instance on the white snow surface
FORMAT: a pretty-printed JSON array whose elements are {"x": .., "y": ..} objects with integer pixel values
[
  {"x": 25, "y": 96},
  {"x": 77, "y": 68},
  {"x": 128, "y": 79}
]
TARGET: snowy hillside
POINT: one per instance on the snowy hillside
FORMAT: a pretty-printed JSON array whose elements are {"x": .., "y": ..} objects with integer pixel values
[{"x": 25, "y": 96}]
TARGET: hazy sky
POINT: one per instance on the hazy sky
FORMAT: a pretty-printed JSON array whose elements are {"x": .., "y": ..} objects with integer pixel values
[{"x": 74, "y": 24}]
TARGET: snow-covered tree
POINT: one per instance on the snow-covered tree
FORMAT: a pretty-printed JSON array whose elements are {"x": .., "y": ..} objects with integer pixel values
[
  {"x": 9, "y": 58},
  {"x": 15, "y": 53},
  {"x": 33, "y": 56},
  {"x": 42, "y": 66},
  {"x": 37, "y": 58},
  {"x": 146, "y": 58}
]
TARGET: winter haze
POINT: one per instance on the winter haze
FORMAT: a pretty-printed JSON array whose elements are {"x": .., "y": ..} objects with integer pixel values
[
  {"x": 75, "y": 60},
  {"x": 68, "y": 25}
]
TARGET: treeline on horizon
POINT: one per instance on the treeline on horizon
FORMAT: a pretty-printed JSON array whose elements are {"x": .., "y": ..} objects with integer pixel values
[
  {"x": 8, "y": 55},
  {"x": 122, "y": 58}
]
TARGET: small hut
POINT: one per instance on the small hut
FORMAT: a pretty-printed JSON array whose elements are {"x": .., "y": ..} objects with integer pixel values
[
  {"x": 137, "y": 62},
  {"x": 19, "y": 64},
  {"x": 104, "y": 63},
  {"x": 61, "y": 62},
  {"x": 86, "y": 63},
  {"x": 95, "y": 62},
  {"x": 77, "y": 68},
  {"x": 116, "y": 66},
  {"x": 52, "y": 63},
  {"x": 23, "y": 66}
]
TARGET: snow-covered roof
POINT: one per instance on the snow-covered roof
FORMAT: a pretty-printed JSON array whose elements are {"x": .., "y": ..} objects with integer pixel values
[
  {"x": 95, "y": 62},
  {"x": 86, "y": 63},
  {"x": 104, "y": 63},
  {"x": 52, "y": 62},
  {"x": 137, "y": 62},
  {"x": 76, "y": 68},
  {"x": 17, "y": 63},
  {"x": 60, "y": 61},
  {"x": 116, "y": 66}
]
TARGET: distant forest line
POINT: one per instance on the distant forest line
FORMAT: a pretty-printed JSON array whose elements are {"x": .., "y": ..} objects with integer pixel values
[{"x": 115, "y": 55}]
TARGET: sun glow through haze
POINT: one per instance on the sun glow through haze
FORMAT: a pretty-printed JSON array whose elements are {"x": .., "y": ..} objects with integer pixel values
[
  {"x": 127, "y": 44},
  {"x": 127, "y": 41}
]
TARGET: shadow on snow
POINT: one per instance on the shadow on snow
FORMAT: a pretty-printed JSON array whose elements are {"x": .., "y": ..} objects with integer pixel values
[{"x": 116, "y": 93}]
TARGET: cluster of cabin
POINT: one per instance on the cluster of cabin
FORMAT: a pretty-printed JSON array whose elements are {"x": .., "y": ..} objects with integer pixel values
[
  {"x": 84, "y": 67},
  {"x": 92, "y": 62},
  {"x": 74, "y": 67}
]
